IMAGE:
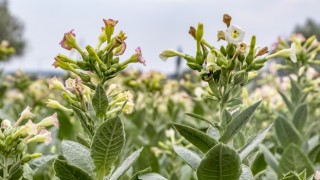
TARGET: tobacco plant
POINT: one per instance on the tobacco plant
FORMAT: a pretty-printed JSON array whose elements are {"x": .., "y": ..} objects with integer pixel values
[
  {"x": 223, "y": 151},
  {"x": 98, "y": 106}
]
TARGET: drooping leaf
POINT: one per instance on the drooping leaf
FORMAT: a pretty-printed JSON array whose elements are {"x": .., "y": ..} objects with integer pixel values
[
  {"x": 78, "y": 155},
  {"x": 125, "y": 165},
  {"x": 220, "y": 162},
  {"x": 151, "y": 176},
  {"x": 107, "y": 144},
  {"x": 269, "y": 158},
  {"x": 286, "y": 132},
  {"x": 294, "y": 159},
  {"x": 253, "y": 143},
  {"x": 65, "y": 171},
  {"x": 188, "y": 156},
  {"x": 100, "y": 101},
  {"x": 300, "y": 116},
  {"x": 238, "y": 122},
  {"x": 38, "y": 162},
  {"x": 199, "y": 139},
  {"x": 246, "y": 173}
]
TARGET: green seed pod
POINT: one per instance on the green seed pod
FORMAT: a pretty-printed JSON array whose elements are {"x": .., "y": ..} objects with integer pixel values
[
  {"x": 84, "y": 77},
  {"x": 194, "y": 66}
]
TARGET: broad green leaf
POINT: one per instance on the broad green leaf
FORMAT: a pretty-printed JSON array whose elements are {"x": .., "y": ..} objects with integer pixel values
[
  {"x": 188, "y": 156},
  {"x": 238, "y": 122},
  {"x": 221, "y": 162},
  {"x": 83, "y": 120},
  {"x": 151, "y": 176},
  {"x": 286, "y": 132},
  {"x": 246, "y": 173},
  {"x": 314, "y": 154},
  {"x": 226, "y": 118},
  {"x": 38, "y": 162},
  {"x": 300, "y": 116},
  {"x": 253, "y": 143},
  {"x": 269, "y": 158},
  {"x": 15, "y": 171},
  {"x": 78, "y": 155},
  {"x": 144, "y": 171},
  {"x": 100, "y": 101},
  {"x": 258, "y": 164},
  {"x": 107, "y": 145},
  {"x": 83, "y": 140},
  {"x": 294, "y": 159},
  {"x": 125, "y": 165},
  {"x": 199, "y": 139},
  {"x": 65, "y": 171},
  {"x": 27, "y": 172},
  {"x": 213, "y": 132},
  {"x": 239, "y": 140},
  {"x": 287, "y": 101}
]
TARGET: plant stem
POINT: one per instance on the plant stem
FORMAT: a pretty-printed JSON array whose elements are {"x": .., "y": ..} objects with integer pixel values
[{"x": 5, "y": 168}]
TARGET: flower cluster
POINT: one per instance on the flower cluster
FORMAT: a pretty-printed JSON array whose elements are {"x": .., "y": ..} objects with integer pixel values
[
  {"x": 14, "y": 138},
  {"x": 5, "y": 50},
  {"x": 102, "y": 61}
]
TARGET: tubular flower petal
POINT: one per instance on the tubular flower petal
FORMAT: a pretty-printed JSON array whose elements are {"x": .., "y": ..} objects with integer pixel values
[
  {"x": 140, "y": 58},
  {"x": 64, "y": 42},
  {"x": 49, "y": 121}
]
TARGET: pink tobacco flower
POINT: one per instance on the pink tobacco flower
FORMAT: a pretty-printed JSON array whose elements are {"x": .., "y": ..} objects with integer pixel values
[
  {"x": 64, "y": 42},
  {"x": 110, "y": 22},
  {"x": 123, "y": 48},
  {"x": 140, "y": 58},
  {"x": 49, "y": 121}
]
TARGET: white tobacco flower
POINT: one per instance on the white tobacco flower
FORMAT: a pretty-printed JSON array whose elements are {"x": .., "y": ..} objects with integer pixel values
[
  {"x": 287, "y": 53},
  {"x": 170, "y": 133},
  {"x": 28, "y": 129},
  {"x": 70, "y": 84},
  {"x": 113, "y": 90},
  {"x": 198, "y": 92},
  {"x": 317, "y": 175},
  {"x": 5, "y": 124},
  {"x": 234, "y": 34},
  {"x": 56, "y": 84},
  {"x": 43, "y": 136},
  {"x": 26, "y": 114},
  {"x": 128, "y": 107},
  {"x": 49, "y": 121}
]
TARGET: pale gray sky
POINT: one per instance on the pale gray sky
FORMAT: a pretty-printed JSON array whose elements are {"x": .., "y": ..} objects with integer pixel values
[{"x": 152, "y": 24}]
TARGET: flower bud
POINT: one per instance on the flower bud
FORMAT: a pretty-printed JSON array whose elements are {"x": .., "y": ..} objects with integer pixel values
[
  {"x": 227, "y": 19},
  {"x": 56, "y": 84},
  {"x": 194, "y": 66},
  {"x": 84, "y": 77},
  {"x": 169, "y": 53},
  {"x": 109, "y": 27},
  {"x": 239, "y": 77},
  {"x": 249, "y": 57},
  {"x": 29, "y": 157},
  {"x": 192, "y": 32},
  {"x": 56, "y": 105},
  {"x": 262, "y": 51},
  {"x": 43, "y": 136},
  {"x": 5, "y": 124},
  {"x": 199, "y": 32},
  {"x": 49, "y": 121}
]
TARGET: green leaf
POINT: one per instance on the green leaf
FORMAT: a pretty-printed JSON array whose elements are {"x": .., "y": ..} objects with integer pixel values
[
  {"x": 258, "y": 164},
  {"x": 287, "y": 101},
  {"x": 65, "y": 171},
  {"x": 246, "y": 173},
  {"x": 196, "y": 116},
  {"x": 78, "y": 155},
  {"x": 27, "y": 172},
  {"x": 295, "y": 91},
  {"x": 188, "y": 156},
  {"x": 269, "y": 158},
  {"x": 238, "y": 122},
  {"x": 221, "y": 162},
  {"x": 15, "y": 171},
  {"x": 199, "y": 139},
  {"x": 125, "y": 165},
  {"x": 100, "y": 101},
  {"x": 294, "y": 159},
  {"x": 151, "y": 176},
  {"x": 213, "y": 132},
  {"x": 291, "y": 176},
  {"x": 286, "y": 132},
  {"x": 107, "y": 145},
  {"x": 83, "y": 140},
  {"x": 300, "y": 116},
  {"x": 83, "y": 120},
  {"x": 144, "y": 171},
  {"x": 253, "y": 143},
  {"x": 225, "y": 118}
]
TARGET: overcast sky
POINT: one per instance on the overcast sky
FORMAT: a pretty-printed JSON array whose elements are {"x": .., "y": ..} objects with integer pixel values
[{"x": 152, "y": 24}]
